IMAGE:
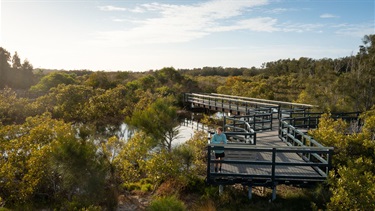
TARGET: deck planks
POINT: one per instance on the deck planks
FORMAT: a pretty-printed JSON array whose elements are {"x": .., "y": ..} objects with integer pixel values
[{"x": 265, "y": 139}]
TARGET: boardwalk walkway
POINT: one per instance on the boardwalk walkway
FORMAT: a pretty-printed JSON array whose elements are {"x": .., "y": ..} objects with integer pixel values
[
  {"x": 278, "y": 152},
  {"x": 269, "y": 161}
]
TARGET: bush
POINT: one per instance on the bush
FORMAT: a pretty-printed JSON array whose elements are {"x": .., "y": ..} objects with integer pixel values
[
  {"x": 144, "y": 185},
  {"x": 167, "y": 203},
  {"x": 195, "y": 184}
]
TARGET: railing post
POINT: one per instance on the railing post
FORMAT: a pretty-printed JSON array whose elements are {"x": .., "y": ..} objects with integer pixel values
[
  {"x": 208, "y": 163},
  {"x": 273, "y": 165},
  {"x": 255, "y": 138},
  {"x": 329, "y": 167},
  {"x": 250, "y": 192}
]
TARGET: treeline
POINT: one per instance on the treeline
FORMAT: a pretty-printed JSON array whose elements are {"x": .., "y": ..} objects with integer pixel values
[
  {"x": 328, "y": 83},
  {"x": 15, "y": 74},
  {"x": 340, "y": 85}
]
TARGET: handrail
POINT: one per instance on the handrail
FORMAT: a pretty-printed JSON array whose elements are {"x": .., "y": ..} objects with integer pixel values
[
  {"x": 258, "y": 122},
  {"x": 249, "y": 129},
  {"x": 311, "y": 119},
  {"x": 269, "y": 101},
  {"x": 321, "y": 166},
  {"x": 231, "y": 99},
  {"x": 288, "y": 132}
]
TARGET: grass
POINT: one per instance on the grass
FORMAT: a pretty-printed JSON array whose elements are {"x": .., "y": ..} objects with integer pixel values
[{"x": 236, "y": 198}]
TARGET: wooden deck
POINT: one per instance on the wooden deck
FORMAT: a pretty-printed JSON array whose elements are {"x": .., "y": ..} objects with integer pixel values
[
  {"x": 268, "y": 160},
  {"x": 268, "y": 163}
]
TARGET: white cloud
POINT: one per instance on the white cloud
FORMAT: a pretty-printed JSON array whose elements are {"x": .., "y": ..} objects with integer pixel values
[
  {"x": 256, "y": 24},
  {"x": 182, "y": 23},
  {"x": 302, "y": 27},
  {"x": 111, "y": 8},
  {"x": 280, "y": 10},
  {"x": 138, "y": 10},
  {"x": 355, "y": 30},
  {"x": 327, "y": 15}
]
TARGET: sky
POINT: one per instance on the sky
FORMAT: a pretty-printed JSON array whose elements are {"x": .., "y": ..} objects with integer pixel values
[{"x": 140, "y": 35}]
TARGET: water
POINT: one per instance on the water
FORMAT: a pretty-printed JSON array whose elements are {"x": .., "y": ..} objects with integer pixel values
[{"x": 185, "y": 133}]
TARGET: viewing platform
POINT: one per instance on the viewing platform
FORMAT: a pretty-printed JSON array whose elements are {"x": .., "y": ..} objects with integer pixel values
[{"x": 277, "y": 153}]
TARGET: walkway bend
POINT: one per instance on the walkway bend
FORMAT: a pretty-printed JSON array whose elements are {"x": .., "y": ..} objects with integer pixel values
[{"x": 281, "y": 153}]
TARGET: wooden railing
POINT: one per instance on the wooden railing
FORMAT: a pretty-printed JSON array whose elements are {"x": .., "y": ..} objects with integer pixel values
[
  {"x": 226, "y": 103},
  {"x": 282, "y": 104},
  {"x": 309, "y": 120},
  {"x": 270, "y": 174},
  {"x": 257, "y": 122}
]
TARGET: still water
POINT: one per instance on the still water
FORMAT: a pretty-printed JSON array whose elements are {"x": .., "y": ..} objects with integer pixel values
[{"x": 185, "y": 133}]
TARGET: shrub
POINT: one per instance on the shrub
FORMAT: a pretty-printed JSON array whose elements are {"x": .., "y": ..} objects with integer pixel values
[{"x": 167, "y": 203}]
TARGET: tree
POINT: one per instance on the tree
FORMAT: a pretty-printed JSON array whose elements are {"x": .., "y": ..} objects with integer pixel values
[
  {"x": 99, "y": 80},
  {"x": 159, "y": 120},
  {"x": 110, "y": 107},
  {"x": 69, "y": 101},
  {"x": 53, "y": 80},
  {"x": 4, "y": 67},
  {"x": 82, "y": 171},
  {"x": 130, "y": 162},
  {"x": 24, "y": 159},
  {"x": 16, "y": 61},
  {"x": 353, "y": 178},
  {"x": 12, "y": 108},
  {"x": 354, "y": 188}
]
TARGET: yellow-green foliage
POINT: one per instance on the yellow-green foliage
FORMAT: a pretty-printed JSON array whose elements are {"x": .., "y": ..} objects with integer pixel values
[
  {"x": 198, "y": 144},
  {"x": 167, "y": 203},
  {"x": 354, "y": 186},
  {"x": 353, "y": 179},
  {"x": 162, "y": 165},
  {"x": 131, "y": 161},
  {"x": 27, "y": 148}
]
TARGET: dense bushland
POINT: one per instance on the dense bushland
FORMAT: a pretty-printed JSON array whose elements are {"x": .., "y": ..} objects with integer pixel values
[{"x": 60, "y": 147}]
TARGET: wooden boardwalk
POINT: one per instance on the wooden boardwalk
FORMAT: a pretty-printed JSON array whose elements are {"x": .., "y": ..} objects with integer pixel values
[
  {"x": 268, "y": 163},
  {"x": 275, "y": 156},
  {"x": 266, "y": 139}
]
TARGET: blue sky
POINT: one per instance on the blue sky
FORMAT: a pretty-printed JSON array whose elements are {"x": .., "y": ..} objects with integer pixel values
[{"x": 137, "y": 35}]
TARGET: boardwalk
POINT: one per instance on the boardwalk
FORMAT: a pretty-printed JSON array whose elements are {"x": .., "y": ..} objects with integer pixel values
[
  {"x": 271, "y": 159},
  {"x": 278, "y": 152}
]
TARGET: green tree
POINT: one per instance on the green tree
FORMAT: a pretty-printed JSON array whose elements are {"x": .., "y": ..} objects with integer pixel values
[
  {"x": 12, "y": 108},
  {"x": 159, "y": 120},
  {"x": 82, "y": 171},
  {"x": 16, "y": 61},
  {"x": 99, "y": 80},
  {"x": 198, "y": 145},
  {"x": 69, "y": 101},
  {"x": 4, "y": 66},
  {"x": 132, "y": 159},
  {"x": 24, "y": 159},
  {"x": 354, "y": 188},
  {"x": 353, "y": 178},
  {"x": 53, "y": 80},
  {"x": 162, "y": 166},
  {"x": 361, "y": 79},
  {"x": 21, "y": 75},
  {"x": 109, "y": 108}
]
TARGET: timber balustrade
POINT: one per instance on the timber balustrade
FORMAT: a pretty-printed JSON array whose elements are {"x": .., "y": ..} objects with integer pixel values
[
  {"x": 270, "y": 157},
  {"x": 268, "y": 166}
]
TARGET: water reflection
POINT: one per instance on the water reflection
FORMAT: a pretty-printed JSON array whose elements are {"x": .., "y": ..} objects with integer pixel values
[
  {"x": 125, "y": 133},
  {"x": 186, "y": 131}
]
